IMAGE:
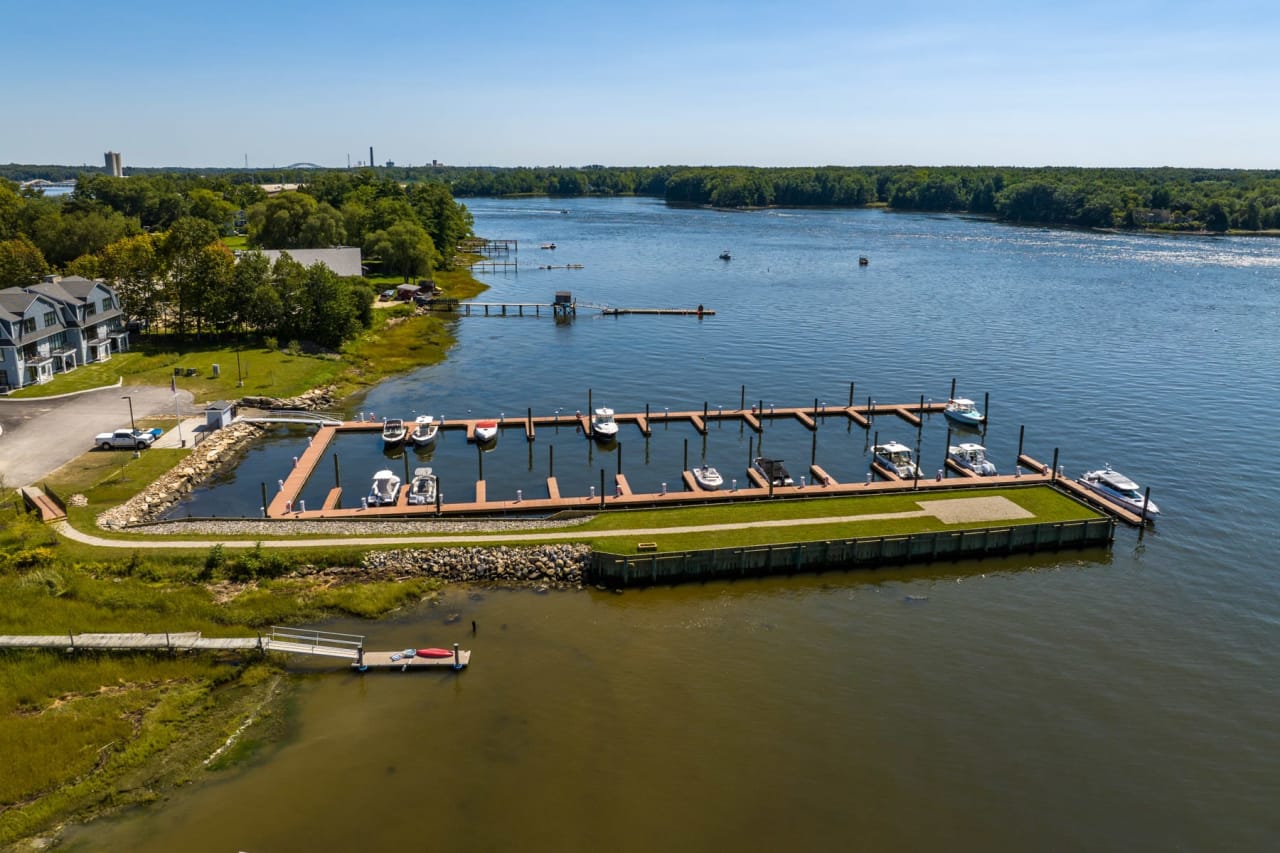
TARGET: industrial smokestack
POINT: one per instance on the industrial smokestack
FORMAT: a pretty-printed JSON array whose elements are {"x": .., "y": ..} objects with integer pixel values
[{"x": 371, "y": 156}]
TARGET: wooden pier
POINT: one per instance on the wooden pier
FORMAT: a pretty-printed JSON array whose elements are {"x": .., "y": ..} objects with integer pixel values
[{"x": 295, "y": 641}]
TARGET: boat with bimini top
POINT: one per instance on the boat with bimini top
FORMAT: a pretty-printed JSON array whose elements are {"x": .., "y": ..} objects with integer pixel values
[
  {"x": 425, "y": 430},
  {"x": 385, "y": 488},
  {"x": 422, "y": 488},
  {"x": 973, "y": 457},
  {"x": 772, "y": 470},
  {"x": 963, "y": 411},
  {"x": 897, "y": 459},
  {"x": 603, "y": 426}
]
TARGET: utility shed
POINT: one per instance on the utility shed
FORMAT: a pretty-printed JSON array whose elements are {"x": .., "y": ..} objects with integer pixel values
[{"x": 219, "y": 414}]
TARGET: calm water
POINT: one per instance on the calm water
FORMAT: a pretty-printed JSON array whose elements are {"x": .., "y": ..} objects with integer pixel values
[{"x": 1105, "y": 700}]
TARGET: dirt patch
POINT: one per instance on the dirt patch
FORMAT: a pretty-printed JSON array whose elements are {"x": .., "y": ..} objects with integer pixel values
[{"x": 967, "y": 510}]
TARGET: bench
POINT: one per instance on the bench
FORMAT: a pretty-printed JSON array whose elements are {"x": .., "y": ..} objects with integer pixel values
[{"x": 646, "y": 546}]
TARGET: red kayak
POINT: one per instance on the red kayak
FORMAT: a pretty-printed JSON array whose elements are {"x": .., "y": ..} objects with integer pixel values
[{"x": 435, "y": 653}]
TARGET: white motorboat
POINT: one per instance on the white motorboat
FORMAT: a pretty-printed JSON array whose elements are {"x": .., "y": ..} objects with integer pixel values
[
  {"x": 963, "y": 411},
  {"x": 393, "y": 432},
  {"x": 773, "y": 471},
  {"x": 1117, "y": 488},
  {"x": 422, "y": 488},
  {"x": 603, "y": 426},
  {"x": 707, "y": 477},
  {"x": 972, "y": 456},
  {"x": 897, "y": 459},
  {"x": 486, "y": 431},
  {"x": 385, "y": 488},
  {"x": 425, "y": 430}
]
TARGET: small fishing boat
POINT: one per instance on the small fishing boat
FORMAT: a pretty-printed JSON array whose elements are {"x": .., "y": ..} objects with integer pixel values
[
  {"x": 422, "y": 488},
  {"x": 393, "y": 432},
  {"x": 896, "y": 458},
  {"x": 773, "y": 471},
  {"x": 547, "y": 246},
  {"x": 486, "y": 431},
  {"x": 972, "y": 456},
  {"x": 385, "y": 488},
  {"x": 1117, "y": 488},
  {"x": 603, "y": 426},
  {"x": 963, "y": 411},
  {"x": 863, "y": 260},
  {"x": 425, "y": 430},
  {"x": 725, "y": 256},
  {"x": 707, "y": 477}
]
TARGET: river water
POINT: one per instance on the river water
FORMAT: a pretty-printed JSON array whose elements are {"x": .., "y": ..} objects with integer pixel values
[{"x": 1113, "y": 699}]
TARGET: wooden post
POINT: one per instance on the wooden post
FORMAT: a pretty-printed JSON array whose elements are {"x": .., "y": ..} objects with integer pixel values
[
  {"x": 264, "y": 500},
  {"x": 480, "y": 460},
  {"x": 813, "y": 450},
  {"x": 530, "y": 421},
  {"x": 919, "y": 428},
  {"x": 686, "y": 454},
  {"x": 1053, "y": 472},
  {"x": 590, "y": 412},
  {"x": 946, "y": 454},
  {"x": 743, "y": 404},
  {"x": 406, "y": 467},
  {"x": 551, "y": 461},
  {"x": 751, "y": 439},
  {"x": 704, "y": 415},
  {"x": 646, "y": 415},
  {"x": 1146, "y": 500},
  {"x": 851, "y": 395},
  {"x": 871, "y": 412},
  {"x": 619, "y": 446},
  {"x": 1022, "y": 429},
  {"x": 602, "y": 488},
  {"x": 986, "y": 408},
  {"x": 953, "y": 387},
  {"x": 337, "y": 477}
]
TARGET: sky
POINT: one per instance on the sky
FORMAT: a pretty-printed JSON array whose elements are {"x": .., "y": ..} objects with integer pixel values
[{"x": 276, "y": 82}]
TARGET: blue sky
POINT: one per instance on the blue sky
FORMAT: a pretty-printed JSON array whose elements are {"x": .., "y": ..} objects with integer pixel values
[{"x": 645, "y": 83}]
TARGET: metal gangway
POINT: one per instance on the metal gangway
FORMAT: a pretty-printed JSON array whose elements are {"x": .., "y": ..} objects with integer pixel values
[
  {"x": 304, "y": 641},
  {"x": 293, "y": 416}
]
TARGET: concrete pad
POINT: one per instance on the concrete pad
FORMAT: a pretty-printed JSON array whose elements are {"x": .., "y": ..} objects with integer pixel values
[{"x": 961, "y": 510}]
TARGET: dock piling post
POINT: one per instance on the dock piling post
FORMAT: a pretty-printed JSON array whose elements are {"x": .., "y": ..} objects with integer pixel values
[
  {"x": 1146, "y": 499},
  {"x": 551, "y": 461},
  {"x": 686, "y": 454},
  {"x": 704, "y": 412},
  {"x": 530, "y": 422},
  {"x": 1053, "y": 472},
  {"x": 337, "y": 476},
  {"x": 986, "y": 408},
  {"x": 1022, "y": 429},
  {"x": 946, "y": 452},
  {"x": 480, "y": 461},
  {"x": 602, "y": 488},
  {"x": 590, "y": 411},
  {"x": 619, "y": 446},
  {"x": 851, "y": 395},
  {"x": 743, "y": 405},
  {"x": 457, "y": 663},
  {"x": 813, "y": 449},
  {"x": 953, "y": 387},
  {"x": 871, "y": 409},
  {"x": 264, "y": 498}
]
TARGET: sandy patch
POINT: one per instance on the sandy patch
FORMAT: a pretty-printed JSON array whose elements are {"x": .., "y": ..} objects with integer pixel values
[{"x": 963, "y": 510}]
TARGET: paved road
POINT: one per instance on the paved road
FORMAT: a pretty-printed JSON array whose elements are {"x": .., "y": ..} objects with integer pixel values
[{"x": 41, "y": 435}]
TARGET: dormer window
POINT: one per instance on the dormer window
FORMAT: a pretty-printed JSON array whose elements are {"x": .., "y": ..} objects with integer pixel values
[
  {"x": 90, "y": 309},
  {"x": 50, "y": 318},
  {"x": 28, "y": 325}
]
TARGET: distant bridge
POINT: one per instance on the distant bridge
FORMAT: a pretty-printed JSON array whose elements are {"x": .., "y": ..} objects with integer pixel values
[{"x": 305, "y": 166}]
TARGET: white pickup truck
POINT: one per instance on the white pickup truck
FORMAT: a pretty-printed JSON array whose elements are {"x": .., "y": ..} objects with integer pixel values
[{"x": 130, "y": 439}]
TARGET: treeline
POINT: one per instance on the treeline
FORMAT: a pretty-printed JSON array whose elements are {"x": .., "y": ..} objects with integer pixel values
[
  {"x": 1213, "y": 200},
  {"x": 159, "y": 240}
]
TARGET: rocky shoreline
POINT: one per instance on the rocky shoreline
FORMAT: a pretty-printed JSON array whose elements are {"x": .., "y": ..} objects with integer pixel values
[{"x": 559, "y": 565}]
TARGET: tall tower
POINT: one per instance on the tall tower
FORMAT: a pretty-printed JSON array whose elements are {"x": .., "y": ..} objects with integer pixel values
[{"x": 114, "y": 167}]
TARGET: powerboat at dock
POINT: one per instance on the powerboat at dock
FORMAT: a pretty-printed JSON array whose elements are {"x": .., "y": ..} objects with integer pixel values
[
  {"x": 422, "y": 488},
  {"x": 772, "y": 470},
  {"x": 486, "y": 432},
  {"x": 897, "y": 459},
  {"x": 603, "y": 426},
  {"x": 393, "y": 432},
  {"x": 425, "y": 430},
  {"x": 973, "y": 457},
  {"x": 707, "y": 478},
  {"x": 1113, "y": 486},
  {"x": 385, "y": 488},
  {"x": 964, "y": 411}
]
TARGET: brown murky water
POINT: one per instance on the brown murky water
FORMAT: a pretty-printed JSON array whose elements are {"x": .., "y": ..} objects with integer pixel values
[{"x": 947, "y": 709}]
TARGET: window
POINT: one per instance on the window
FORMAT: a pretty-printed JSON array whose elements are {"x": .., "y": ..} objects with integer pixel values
[
  {"x": 28, "y": 325},
  {"x": 106, "y": 304},
  {"x": 50, "y": 318},
  {"x": 4, "y": 378},
  {"x": 90, "y": 309}
]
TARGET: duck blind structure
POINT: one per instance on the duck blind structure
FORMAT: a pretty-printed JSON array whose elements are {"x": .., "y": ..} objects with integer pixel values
[{"x": 869, "y": 552}]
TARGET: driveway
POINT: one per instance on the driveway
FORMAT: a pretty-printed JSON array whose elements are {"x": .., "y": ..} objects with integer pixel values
[{"x": 41, "y": 435}]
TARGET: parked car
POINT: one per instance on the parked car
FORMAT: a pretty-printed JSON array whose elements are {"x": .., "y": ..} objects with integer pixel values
[
  {"x": 387, "y": 294},
  {"x": 132, "y": 439}
]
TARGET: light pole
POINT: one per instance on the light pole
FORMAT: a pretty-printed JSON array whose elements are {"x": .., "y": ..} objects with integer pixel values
[
  {"x": 239, "y": 378},
  {"x": 132, "y": 426}
]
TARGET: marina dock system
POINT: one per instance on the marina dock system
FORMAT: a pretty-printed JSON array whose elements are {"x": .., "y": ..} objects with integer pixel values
[
  {"x": 617, "y": 493},
  {"x": 296, "y": 641}
]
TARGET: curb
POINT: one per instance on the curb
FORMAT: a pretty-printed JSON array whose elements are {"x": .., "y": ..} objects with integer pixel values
[{"x": 119, "y": 383}]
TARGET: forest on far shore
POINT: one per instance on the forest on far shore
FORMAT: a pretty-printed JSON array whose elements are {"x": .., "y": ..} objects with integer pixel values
[{"x": 1158, "y": 198}]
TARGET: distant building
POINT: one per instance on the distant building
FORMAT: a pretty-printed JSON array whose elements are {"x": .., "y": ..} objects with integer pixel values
[
  {"x": 343, "y": 260},
  {"x": 114, "y": 167},
  {"x": 54, "y": 326}
]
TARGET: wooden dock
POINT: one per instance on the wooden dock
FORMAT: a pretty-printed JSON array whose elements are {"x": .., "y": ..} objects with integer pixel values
[{"x": 287, "y": 640}]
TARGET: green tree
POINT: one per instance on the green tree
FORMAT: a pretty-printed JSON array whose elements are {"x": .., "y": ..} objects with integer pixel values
[
  {"x": 404, "y": 248},
  {"x": 133, "y": 268},
  {"x": 21, "y": 263}
]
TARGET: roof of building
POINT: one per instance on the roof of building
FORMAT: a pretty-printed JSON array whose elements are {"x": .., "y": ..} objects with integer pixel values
[{"x": 343, "y": 260}]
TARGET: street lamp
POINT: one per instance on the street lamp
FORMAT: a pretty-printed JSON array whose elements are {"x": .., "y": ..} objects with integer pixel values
[
  {"x": 239, "y": 378},
  {"x": 132, "y": 425}
]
